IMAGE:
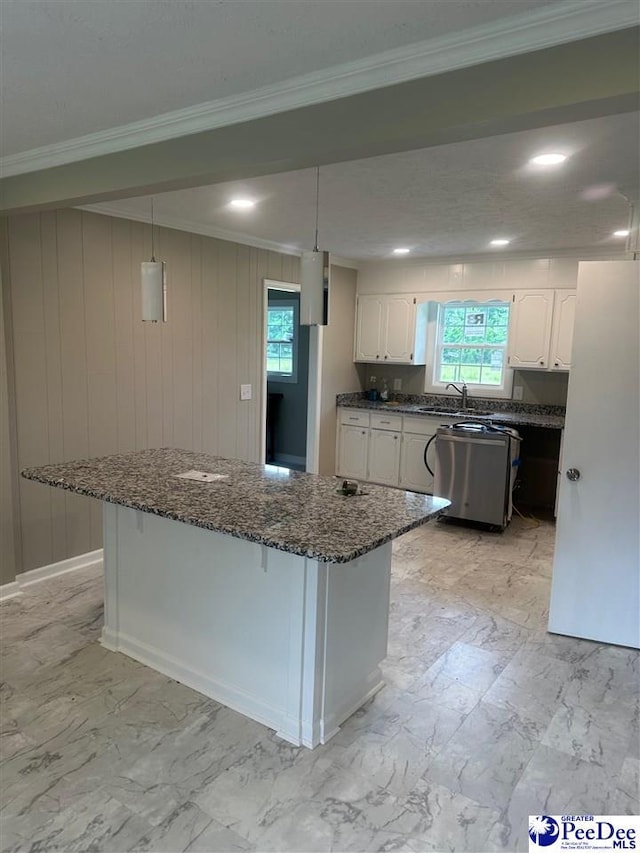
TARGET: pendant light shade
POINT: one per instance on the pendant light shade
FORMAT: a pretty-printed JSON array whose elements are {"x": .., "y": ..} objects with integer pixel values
[
  {"x": 153, "y": 291},
  {"x": 153, "y": 281},
  {"x": 314, "y": 288},
  {"x": 314, "y": 279}
]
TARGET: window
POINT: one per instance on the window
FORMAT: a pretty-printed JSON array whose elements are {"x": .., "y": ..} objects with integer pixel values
[
  {"x": 282, "y": 341},
  {"x": 471, "y": 344}
]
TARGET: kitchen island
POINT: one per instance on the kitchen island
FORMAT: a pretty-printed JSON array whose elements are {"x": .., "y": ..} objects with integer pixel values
[{"x": 258, "y": 586}]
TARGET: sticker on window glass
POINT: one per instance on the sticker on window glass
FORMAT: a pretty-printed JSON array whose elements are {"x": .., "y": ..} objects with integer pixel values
[{"x": 474, "y": 324}]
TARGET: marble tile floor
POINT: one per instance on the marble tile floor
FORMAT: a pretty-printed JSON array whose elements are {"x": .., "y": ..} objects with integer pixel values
[{"x": 485, "y": 719}]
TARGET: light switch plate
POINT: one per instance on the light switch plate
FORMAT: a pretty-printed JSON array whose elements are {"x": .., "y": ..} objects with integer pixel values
[
  {"x": 245, "y": 392},
  {"x": 517, "y": 392},
  {"x": 397, "y": 384}
]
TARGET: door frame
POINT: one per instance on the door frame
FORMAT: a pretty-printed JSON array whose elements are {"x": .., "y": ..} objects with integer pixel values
[{"x": 314, "y": 380}]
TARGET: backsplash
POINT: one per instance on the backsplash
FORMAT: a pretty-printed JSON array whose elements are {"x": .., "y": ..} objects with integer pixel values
[
  {"x": 474, "y": 402},
  {"x": 538, "y": 386}
]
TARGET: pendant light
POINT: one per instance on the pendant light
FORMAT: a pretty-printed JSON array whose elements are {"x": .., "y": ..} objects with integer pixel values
[
  {"x": 154, "y": 286},
  {"x": 314, "y": 279}
]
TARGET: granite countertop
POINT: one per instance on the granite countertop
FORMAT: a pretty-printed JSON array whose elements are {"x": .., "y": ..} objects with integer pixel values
[
  {"x": 283, "y": 509},
  {"x": 504, "y": 412}
]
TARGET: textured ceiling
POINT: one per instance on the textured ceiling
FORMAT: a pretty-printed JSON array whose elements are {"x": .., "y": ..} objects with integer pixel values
[
  {"x": 74, "y": 67},
  {"x": 444, "y": 201}
]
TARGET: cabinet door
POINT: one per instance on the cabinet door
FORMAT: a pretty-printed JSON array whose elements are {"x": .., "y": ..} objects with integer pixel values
[
  {"x": 384, "y": 457},
  {"x": 564, "y": 308},
  {"x": 398, "y": 336},
  {"x": 352, "y": 457},
  {"x": 368, "y": 328},
  {"x": 413, "y": 472},
  {"x": 530, "y": 329}
]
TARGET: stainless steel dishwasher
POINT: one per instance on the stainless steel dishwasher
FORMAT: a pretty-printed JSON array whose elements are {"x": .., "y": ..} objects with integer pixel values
[{"x": 476, "y": 466}]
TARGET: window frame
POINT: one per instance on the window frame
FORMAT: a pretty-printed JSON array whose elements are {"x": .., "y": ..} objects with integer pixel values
[
  {"x": 436, "y": 330},
  {"x": 274, "y": 375}
]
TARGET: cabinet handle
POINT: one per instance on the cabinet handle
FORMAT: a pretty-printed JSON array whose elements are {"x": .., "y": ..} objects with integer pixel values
[
  {"x": 542, "y": 362},
  {"x": 386, "y": 356},
  {"x": 556, "y": 364},
  {"x": 385, "y": 422},
  {"x": 364, "y": 432},
  {"x": 377, "y": 356},
  {"x": 354, "y": 418},
  {"x": 395, "y": 437}
]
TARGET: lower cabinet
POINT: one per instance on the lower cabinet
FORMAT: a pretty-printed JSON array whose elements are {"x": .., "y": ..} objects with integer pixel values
[
  {"x": 353, "y": 452},
  {"x": 387, "y": 449},
  {"x": 413, "y": 472},
  {"x": 384, "y": 457}
]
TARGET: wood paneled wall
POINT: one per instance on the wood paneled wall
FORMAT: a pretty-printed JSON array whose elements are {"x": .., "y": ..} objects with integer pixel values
[{"x": 91, "y": 378}]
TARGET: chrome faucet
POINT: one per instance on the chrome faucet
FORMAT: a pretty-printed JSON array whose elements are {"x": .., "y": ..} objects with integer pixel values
[{"x": 464, "y": 391}]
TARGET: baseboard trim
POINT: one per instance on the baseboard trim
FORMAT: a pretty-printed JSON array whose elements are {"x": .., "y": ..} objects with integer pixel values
[
  {"x": 227, "y": 694},
  {"x": 9, "y": 590},
  {"x": 71, "y": 564}
]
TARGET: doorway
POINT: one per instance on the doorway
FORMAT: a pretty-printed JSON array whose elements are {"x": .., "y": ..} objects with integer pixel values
[{"x": 287, "y": 378}]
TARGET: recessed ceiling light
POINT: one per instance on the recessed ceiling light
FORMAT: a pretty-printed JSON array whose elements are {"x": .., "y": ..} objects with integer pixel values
[
  {"x": 242, "y": 203},
  {"x": 401, "y": 251},
  {"x": 623, "y": 232},
  {"x": 500, "y": 241},
  {"x": 550, "y": 159}
]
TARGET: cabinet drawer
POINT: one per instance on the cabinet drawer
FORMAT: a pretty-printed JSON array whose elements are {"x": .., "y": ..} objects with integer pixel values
[
  {"x": 423, "y": 426},
  {"x": 354, "y": 417},
  {"x": 381, "y": 420}
]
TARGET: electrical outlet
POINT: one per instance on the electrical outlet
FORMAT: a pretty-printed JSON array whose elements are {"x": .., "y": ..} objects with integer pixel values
[
  {"x": 397, "y": 384},
  {"x": 517, "y": 392},
  {"x": 245, "y": 392}
]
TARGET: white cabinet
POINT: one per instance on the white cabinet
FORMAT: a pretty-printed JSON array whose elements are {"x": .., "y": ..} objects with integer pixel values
[
  {"x": 391, "y": 329},
  {"x": 564, "y": 309},
  {"x": 384, "y": 457},
  {"x": 353, "y": 452},
  {"x": 541, "y": 329},
  {"x": 530, "y": 329},
  {"x": 413, "y": 472},
  {"x": 386, "y": 448}
]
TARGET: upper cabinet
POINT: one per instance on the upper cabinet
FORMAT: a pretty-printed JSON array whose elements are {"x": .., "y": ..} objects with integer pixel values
[
  {"x": 564, "y": 309},
  {"x": 541, "y": 329},
  {"x": 392, "y": 329}
]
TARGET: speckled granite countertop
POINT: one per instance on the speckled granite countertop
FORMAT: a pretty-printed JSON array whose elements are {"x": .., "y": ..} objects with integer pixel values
[
  {"x": 287, "y": 510},
  {"x": 504, "y": 412}
]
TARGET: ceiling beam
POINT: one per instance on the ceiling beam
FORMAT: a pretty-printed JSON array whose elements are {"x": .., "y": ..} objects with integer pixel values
[{"x": 571, "y": 82}]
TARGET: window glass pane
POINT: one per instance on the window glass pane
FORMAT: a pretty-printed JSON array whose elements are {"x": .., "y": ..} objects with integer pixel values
[
  {"x": 493, "y": 357},
  {"x": 498, "y": 316},
  {"x": 448, "y": 373},
  {"x": 471, "y": 356},
  {"x": 450, "y": 355},
  {"x": 453, "y": 334},
  {"x": 453, "y": 316},
  {"x": 497, "y": 335},
  {"x": 469, "y": 373},
  {"x": 491, "y": 375}
]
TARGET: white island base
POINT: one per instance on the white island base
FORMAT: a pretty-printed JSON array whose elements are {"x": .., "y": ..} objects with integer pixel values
[{"x": 292, "y": 642}]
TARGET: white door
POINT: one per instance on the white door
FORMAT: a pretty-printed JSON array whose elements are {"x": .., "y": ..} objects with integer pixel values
[
  {"x": 352, "y": 460},
  {"x": 384, "y": 457},
  {"x": 530, "y": 329},
  {"x": 399, "y": 327},
  {"x": 595, "y": 591},
  {"x": 368, "y": 328},
  {"x": 564, "y": 310},
  {"x": 413, "y": 472}
]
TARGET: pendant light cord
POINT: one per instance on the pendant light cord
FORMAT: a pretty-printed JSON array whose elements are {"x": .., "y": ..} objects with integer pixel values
[{"x": 315, "y": 245}]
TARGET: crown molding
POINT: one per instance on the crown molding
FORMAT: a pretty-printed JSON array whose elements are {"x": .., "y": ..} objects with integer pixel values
[{"x": 571, "y": 20}]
